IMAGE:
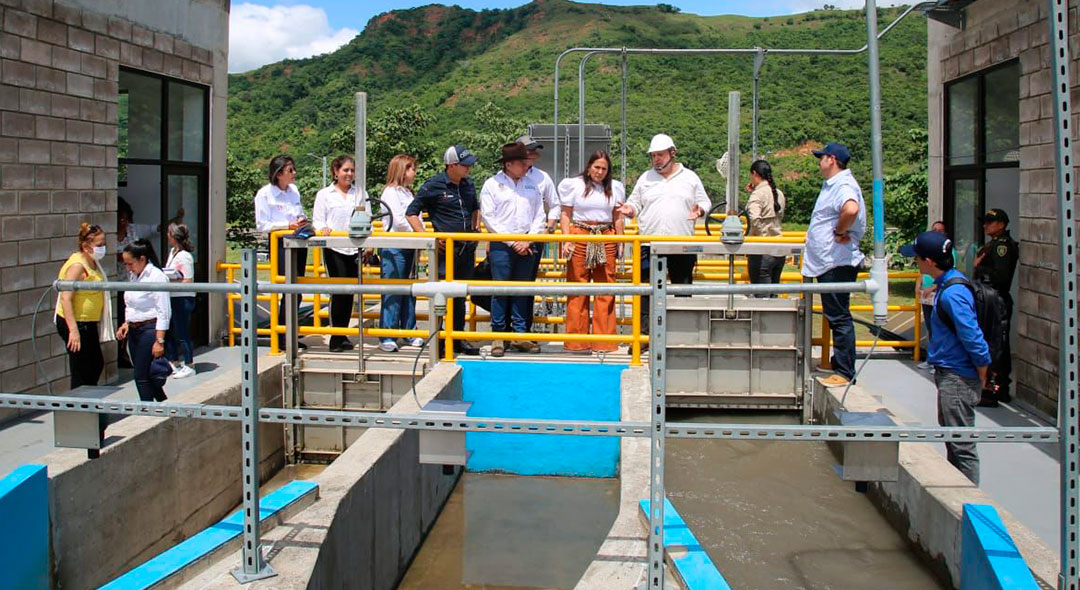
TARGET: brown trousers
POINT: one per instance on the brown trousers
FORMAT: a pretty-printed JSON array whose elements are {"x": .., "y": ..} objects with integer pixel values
[{"x": 577, "y": 308}]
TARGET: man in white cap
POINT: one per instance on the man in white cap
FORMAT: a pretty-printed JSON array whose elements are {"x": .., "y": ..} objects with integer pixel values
[{"x": 666, "y": 199}]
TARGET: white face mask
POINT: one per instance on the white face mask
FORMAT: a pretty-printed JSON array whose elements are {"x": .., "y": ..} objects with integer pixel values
[{"x": 99, "y": 252}]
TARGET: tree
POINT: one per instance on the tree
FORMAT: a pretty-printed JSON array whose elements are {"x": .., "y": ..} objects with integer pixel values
[{"x": 242, "y": 181}]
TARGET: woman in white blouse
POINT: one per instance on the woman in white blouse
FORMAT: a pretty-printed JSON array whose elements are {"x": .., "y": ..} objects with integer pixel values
[
  {"x": 590, "y": 204},
  {"x": 334, "y": 206},
  {"x": 398, "y": 311},
  {"x": 180, "y": 268},
  {"x": 277, "y": 206},
  {"x": 146, "y": 317}
]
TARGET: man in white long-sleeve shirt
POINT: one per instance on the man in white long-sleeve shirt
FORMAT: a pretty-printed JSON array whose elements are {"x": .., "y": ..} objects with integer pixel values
[
  {"x": 552, "y": 208},
  {"x": 666, "y": 199},
  {"x": 510, "y": 203}
]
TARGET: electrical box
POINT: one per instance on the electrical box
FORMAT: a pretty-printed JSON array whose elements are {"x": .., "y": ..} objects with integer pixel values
[{"x": 444, "y": 447}]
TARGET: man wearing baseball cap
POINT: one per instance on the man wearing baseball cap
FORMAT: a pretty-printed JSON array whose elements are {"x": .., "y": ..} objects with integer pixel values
[
  {"x": 667, "y": 199},
  {"x": 958, "y": 350},
  {"x": 832, "y": 252},
  {"x": 995, "y": 264},
  {"x": 449, "y": 198}
]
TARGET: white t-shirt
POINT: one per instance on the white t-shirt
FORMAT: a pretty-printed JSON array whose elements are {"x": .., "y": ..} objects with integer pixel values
[
  {"x": 397, "y": 199},
  {"x": 662, "y": 205},
  {"x": 547, "y": 192},
  {"x": 333, "y": 209},
  {"x": 182, "y": 262},
  {"x": 594, "y": 206},
  {"x": 276, "y": 208},
  {"x": 822, "y": 251}
]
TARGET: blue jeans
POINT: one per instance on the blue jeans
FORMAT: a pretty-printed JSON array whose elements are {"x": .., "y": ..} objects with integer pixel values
[
  {"x": 837, "y": 311},
  {"x": 140, "y": 343},
  {"x": 179, "y": 336},
  {"x": 398, "y": 311},
  {"x": 507, "y": 265}
]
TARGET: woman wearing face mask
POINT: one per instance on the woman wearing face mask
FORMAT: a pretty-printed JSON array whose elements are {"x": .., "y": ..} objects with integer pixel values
[
  {"x": 147, "y": 315},
  {"x": 79, "y": 312},
  {"x": 765, "y": 211},
  {"x": 590, "y": 205},
  {"x": 334, "y": 205},
  {"x": 180, "y": 268}
]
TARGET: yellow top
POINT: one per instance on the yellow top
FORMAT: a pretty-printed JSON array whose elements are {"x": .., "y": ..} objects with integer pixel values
[{"x": 87, "y": 305}]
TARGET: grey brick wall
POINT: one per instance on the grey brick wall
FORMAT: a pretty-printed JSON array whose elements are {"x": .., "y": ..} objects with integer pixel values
[
  {"x": 59, "y": 71},
  {"x": 998, "y": 31}
]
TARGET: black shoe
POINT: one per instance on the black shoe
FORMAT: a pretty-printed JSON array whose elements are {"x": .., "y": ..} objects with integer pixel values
[
  {"x": 1003, "y": 394},
  {"x": 988, "y": 400},
  {"x": 340, "y": 345},
  {"x": 466, "y": 348}
]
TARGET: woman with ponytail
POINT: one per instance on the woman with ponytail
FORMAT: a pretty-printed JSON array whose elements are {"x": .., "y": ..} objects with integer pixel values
[
  {"x": 765, "y": 212},
  {"x": 180, "y": 268}
]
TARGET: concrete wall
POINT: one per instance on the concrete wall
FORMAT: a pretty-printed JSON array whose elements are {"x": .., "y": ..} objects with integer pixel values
[
  {"x": 926, "y": 502},
  {"x": 161, "y": 482},
  {"x": 59, "y": 71},
  {"x": 998, "y": 31}
]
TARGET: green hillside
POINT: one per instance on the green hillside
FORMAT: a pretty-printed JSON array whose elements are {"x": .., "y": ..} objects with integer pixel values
[{"x": 478, "y": 77}]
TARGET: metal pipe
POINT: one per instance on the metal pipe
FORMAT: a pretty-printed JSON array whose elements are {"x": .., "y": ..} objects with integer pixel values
[
  {"x": 623, "y": 140},
  {"x": 770, "y": 289},
  {"x": 759, "y": 59},
  {"x": 878, "y": 270},
  {"x": 361, "y": 140},
  {"x": 581, "y": 109},
  {"x": 126, "y": 286}
]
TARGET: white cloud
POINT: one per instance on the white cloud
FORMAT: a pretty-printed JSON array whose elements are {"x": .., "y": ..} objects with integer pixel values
[{"x": 259, "y": 35}]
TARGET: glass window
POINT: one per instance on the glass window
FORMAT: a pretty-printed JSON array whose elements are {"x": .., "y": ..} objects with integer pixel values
[
  {"x": 183, "y": 205},
  {"x": 187, "y": 122},
  {"x": 962, "y": 101},
  {"x": 140, "y": 127},
  {"x": 966, "y": 233},
  {"x": 1002, "y": 114}
]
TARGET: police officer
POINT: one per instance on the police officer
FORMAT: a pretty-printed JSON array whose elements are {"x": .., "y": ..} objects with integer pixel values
[
  {"x": 449, "y": 198},
  {"x": 995, "y": 264}
]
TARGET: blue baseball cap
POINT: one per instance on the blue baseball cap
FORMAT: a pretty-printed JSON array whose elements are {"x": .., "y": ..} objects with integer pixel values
[
  {"x": 929, "y": 244},
  {"x": 160, "y": 369},
  {"x": 836, "y": 150},
  {"x": 457, "y": 154}
]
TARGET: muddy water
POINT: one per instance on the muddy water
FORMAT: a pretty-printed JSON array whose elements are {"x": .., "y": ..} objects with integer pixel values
[
  {"x": 776, "y": 515},
  {"x": 509, "y": 532}
]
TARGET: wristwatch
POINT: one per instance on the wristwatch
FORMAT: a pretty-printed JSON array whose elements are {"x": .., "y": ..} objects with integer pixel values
[{"x": 161, "y": 341}]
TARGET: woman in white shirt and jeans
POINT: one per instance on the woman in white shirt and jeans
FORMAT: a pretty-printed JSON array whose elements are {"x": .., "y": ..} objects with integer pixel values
[
  {"x": 146, "y": 317},
  {"x": 334, "y": 206},
  {"x": 398, "y": 311},
  {"x": 180, "y": 268},
  {"x": 277, "y": 206}
]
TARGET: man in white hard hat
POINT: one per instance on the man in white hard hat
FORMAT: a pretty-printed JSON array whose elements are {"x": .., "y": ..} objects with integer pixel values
[{"x": 667, "y": 199}]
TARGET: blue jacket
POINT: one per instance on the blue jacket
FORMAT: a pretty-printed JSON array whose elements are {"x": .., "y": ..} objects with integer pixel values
[
  {"x": 965, "y": 349},
  {"x": 449, "y": 206}
]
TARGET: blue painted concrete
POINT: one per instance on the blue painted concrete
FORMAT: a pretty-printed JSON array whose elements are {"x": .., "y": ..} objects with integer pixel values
[
  {"x": 690, "y": 561},
  {"x": 24, "y": 502},
  {"x": 206, "y": 541},
  {"x": 989, "y": 559},
  {"x": 566, "y": 391}
]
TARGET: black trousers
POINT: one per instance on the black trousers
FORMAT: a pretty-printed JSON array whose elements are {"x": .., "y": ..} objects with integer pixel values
[
  {"x": 680, "y": 269},
  {"x": 341, "y": 306},
  {"x": 300, "y": 265},
  {"x": 765, "y": 269},
  {"x": 1001, "y": 369},
  {"x": 464, "y": 265},
  {"x": 86, "y": 365}
]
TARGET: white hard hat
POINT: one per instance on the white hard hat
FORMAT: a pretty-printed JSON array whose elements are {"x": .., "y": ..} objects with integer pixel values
[{"x": 661, "y": 142}]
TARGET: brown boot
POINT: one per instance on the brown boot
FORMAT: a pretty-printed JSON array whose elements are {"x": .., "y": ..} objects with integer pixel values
[
  {"x": 525, "y": 346},
  {"x": 497, "y": 348}
]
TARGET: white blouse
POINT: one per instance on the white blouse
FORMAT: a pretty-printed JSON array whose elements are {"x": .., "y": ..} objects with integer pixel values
[
  {"x": 592, "y": 206},
  {"x": 182, "y": 262},
  {"x": 333, "y": 209},
  {"x": 140, "y": 306},
  {"x": 397, "y": 199},
  {"x": 276, "y": 208}
]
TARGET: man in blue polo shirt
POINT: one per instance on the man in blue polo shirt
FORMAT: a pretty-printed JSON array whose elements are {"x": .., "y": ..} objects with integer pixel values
[{"x": 958, "y": 351}]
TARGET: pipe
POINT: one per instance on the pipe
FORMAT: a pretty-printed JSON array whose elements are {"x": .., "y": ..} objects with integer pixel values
[
  {"x": 759, "y": 59},
  {"x": 878, "y": 269},
  {"x": 623, "y": 140},
  {"x": 361, "y": 141}
]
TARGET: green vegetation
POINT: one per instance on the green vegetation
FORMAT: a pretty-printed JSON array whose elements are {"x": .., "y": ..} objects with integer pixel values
[{"x": 438, "y": 75}]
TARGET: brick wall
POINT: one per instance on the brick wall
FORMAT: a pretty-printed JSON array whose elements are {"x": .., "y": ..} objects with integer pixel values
[
  {"x": 998, "y": 31},
  {"x": 59, "y": 67}
]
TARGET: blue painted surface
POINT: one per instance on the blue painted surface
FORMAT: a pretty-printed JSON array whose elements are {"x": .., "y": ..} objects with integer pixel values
[
  {"x": 194, "y": 548},
  {"x": 879, "y": 210},
  {"x": 989, "y": 559},
  {"x": 566, "y": 391},
  {"x": 692, "y": 564},
  {"x": 24, "y": 502}
]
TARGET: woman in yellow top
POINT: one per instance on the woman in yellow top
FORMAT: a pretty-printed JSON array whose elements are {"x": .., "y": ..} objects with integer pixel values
[{"x": 79, "y": 312}]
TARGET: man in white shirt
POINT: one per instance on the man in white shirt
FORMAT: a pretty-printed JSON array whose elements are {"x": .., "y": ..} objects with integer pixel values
[
  {"x": 552, "y": 208},
  {"x": 667, "y": 199},
  {"x": 832, "y": 252},
  {"x": 510, "y": 203}
]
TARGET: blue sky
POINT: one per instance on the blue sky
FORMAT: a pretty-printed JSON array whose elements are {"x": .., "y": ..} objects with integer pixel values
[{"x": 265, "y": 31}]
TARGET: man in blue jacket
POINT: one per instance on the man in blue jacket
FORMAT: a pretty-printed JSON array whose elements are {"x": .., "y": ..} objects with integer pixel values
[
  {"x": 958, "y": 351},
  {"x": 449, "y": 198}
]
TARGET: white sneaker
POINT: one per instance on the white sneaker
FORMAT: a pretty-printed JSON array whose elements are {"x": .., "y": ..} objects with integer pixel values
[
  {"x": 924, "y": 365},
  {"x": 183, "y": 371},
  {"x": 388, "y": 346},
  {"x": 417, "y": 342}
]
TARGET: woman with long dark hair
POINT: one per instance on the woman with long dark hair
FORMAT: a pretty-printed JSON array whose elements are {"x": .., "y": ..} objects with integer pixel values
[
  {"x": 398, "y": 311},
  {"x": 180, "y": 267},
  {"x": 334, "y": 206},
  {"x": 765, "y": 212},
  {"x": 277, "y": 206},
  {"x": 590, "y": 203},
  {"x": 146, "y": 318}
]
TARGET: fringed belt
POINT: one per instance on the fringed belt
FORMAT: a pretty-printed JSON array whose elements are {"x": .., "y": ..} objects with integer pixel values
[{"x": 595, "y": 253}]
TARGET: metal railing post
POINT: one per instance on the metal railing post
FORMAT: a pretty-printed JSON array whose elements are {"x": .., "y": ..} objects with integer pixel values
[
  {"x": 448, "y": 322},
  {"x": 658, "y": 357},
  {"x": 254, "y": 566}
]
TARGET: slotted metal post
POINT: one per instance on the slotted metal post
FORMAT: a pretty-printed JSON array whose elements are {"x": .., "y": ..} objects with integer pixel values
[
  {"x": 1068, "y": 420},
  {"x": 658, "y": 354},
  {"x": 254, "y": 565}
]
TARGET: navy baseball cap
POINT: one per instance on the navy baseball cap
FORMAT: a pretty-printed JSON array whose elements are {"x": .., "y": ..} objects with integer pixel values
[
  {"x": 838, "y": 151},
  {"x": 929, "y": 244},
  {"x": 995, "y": 215},
  {"x": 160, "y": 369},
  {"x": 457, "y": 154}
]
